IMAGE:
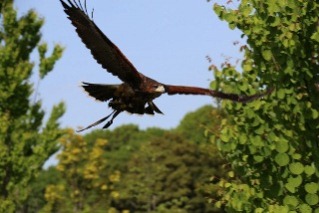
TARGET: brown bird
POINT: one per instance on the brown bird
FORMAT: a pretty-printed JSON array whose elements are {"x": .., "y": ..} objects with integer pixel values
[{"x": 137, "y": 92}]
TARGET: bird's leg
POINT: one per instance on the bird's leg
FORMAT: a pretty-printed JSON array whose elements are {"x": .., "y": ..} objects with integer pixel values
[
  {"x": 100, "y": 121},
  {"x": 115, "y": 113}
]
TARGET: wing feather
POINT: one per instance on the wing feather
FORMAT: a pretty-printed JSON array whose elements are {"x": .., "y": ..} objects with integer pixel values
[
  {"x": 173, "y": 90},
  {"x": 103, "y": 50},
  {"x": 101, "y": 92}
]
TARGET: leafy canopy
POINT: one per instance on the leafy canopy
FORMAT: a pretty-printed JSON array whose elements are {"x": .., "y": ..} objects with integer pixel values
[
  {"x": 272, "y": 143},
  {"x": 25, "y": 141}
]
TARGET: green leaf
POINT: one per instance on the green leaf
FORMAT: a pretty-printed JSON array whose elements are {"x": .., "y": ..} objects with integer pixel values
[
  {"x": 281, "y": 209},
  {"x": 296, "y": 156},
  {"x": 315, "y": 113},
  {"x": 273, "y": 6},
  {"x": 312, "y": 199},
  {"x": 260, "y": 130},
  {"x": 214, "y": 85},
  {"x": 258, "y": 158},
  {"x": 224, "y": 138},
  {"x": 281, "y": 93},
  {"x": 243, "y": 139},
  {"x": 282, "y": 159},
  {"x": 257, "y": 104},
  {"x": 311, "y": 188},
  {"x": 309, "y": 170},
  {"x": 305, "y": 208},
  {"x": 295, "y": 181},
  {"x": 230, "y": 17},
  {"x": 290, "y": 187},
  {"x": 282, "y": 146},
  {"x": 296, "y": 168},
  {"x": 218, "y": 10},
  {"x": 247, "y": 67},
  {"x": 291, "y": 200},
  {"x": 243, "y": 86},
  {"x": 246, "y": 10},
  {"x": 259, "y": 210},
  {"x": 267, "y": 55},
  {"x": 231, "y": 174},
  {"x": 315, "y": 36}
]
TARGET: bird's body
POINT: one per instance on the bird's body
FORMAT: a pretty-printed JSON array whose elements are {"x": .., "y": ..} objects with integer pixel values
[
  {"x": 137, "y": 92},
  {"x": 123, "y": 97}
]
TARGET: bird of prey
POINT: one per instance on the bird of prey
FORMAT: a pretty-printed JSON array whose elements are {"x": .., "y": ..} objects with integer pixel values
[{"x": 137, "y": 92}]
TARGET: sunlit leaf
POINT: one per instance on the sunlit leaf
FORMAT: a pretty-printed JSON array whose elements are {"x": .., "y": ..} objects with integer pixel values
[
  {"x": 295, "y": 181},
  {"x": 312, "y": 187},
  {"x": 309, "y": 170},
  {"x": 312, "y": 199},
  {"x": 282, "y": 146},
  {"x": 305, "y": 208},
  {"x": 282, "y": 159},
  {"x": 267, "y": 55},
  {"x": 296, "y": 168},
  {"x": 290, "y": 187},
  {"x": 291, "y": 200}
]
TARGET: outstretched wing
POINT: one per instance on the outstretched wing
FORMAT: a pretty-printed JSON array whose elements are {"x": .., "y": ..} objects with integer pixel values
[
  {"x": 173, "y": 90},
  {"x": 102, "y": 49}
]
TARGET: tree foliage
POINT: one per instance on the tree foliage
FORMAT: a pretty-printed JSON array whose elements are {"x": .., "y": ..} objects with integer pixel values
[
  {"x": 272, "y": 143},
  {"x": 85, "y": 181},
  {"x": 25, "y": 141},
  {"x": 36, "y": 201},
  {"x": 169, "y": 174},
  {"x": 195, "y": 124},
  {"x": 122, "y": 143},
  {"x": 133, "y": 170}
]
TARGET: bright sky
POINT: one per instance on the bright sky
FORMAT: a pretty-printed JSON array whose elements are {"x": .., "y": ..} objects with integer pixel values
[{"x": 165, "y": 40}]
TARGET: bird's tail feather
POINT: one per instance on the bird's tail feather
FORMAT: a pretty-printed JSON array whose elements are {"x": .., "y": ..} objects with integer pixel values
[{"x": 101, "y": 92}]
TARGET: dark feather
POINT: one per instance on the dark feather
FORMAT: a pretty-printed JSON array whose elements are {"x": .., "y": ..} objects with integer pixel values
[
  {"x": 102, "y": 49},
  {"x": 185, "y": 90},
  {"x": 154, "y": 107},
  {"x": 101, "y": 92}
]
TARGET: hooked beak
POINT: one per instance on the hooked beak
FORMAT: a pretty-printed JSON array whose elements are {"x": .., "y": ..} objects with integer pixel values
[{"x": 160, "y": 89}]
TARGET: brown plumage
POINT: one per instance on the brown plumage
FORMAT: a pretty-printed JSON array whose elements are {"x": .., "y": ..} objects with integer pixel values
[{"x": 136, "y": 93}]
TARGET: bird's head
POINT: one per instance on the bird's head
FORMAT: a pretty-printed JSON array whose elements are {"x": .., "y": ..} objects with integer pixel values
[
  {"x": 152, "y": 87},
  {"x": 159, "y": 88}
]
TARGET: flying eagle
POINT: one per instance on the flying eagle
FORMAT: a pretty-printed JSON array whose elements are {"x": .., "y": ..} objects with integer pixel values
[{"x": 137, "y": 92}]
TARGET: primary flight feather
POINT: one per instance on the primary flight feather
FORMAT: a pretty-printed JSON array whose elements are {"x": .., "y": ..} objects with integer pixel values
[{"x": 137, "y": 92}]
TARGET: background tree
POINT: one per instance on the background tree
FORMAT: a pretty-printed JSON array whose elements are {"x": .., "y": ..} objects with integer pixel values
[
  {"x": 272, "y": 143},
  {"x": 169, "y": 174},
  {"x": 137, "y": 170},
  {"x": 85, "y": 185},
  {"x": 122, "y": 143},
  {"x": 205, "y": 119},
  {"x": 36, "y": 200},
  {"x": 25, "y": 142}
]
